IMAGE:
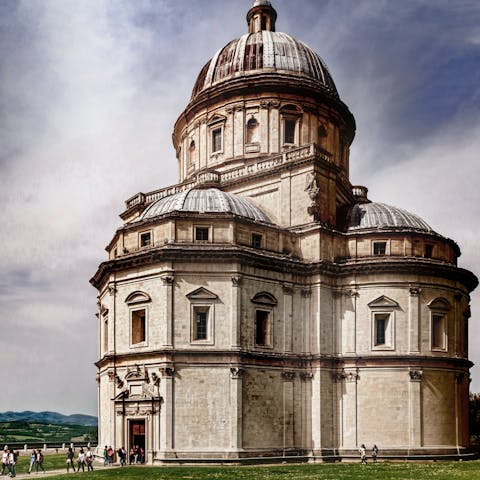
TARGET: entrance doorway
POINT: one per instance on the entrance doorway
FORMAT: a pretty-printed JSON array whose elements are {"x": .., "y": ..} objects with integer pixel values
[{"x": 137, "y": 437}]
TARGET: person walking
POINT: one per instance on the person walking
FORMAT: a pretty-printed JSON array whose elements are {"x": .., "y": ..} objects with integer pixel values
[
  {"x": 70, "y": 459},
  {"x": 5, "y": 454},
  {"x": 39, "y": 461},
  {"x": 12, "y": 459},
  {"x": 374, "y": 453},
  {"x": 110, "y": 453},
  {"x": 122, "y": 455},
  {"x": 89, "y": 459},
  {"x": 363, "y": 454},
  {"x": 81, "y": 460},
  {"x": 105, "y": 456},
  {"x": 33, "y": 457}
]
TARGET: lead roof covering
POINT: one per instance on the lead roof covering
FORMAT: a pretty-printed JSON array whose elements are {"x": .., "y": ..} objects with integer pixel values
[
  {"x": 380, "y": 215},
  {"x": 265, "y": 52},
  {"x": 209, "y": 200}
]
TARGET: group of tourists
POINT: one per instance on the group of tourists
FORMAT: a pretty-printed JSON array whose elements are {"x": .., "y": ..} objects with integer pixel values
[
  {"x": 83, "y": 458},
  {"x": 363, "y": 454},
  {"x": 135, "y": 456},
  {"x": 9, "y": 459}
]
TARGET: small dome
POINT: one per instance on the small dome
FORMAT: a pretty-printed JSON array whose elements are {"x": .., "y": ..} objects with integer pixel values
[
  {"x": 268, "y": 53},
  {"x": 366, "y": 216},
  {"x": 209, "y": 200}
]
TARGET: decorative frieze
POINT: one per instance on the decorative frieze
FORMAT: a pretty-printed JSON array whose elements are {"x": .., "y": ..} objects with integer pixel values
[{"x": 269, "y": 104}]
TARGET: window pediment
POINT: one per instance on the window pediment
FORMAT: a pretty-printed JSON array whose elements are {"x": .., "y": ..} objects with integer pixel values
[
  {"x": 264, "y": 298},
  {"x": 383, "y": 302},
  {"x": 439, "y": 303},
  {"x": 137, "y": 297},
  {"x": 201, "y": 294},
  {"x": 216, "y": 119}
]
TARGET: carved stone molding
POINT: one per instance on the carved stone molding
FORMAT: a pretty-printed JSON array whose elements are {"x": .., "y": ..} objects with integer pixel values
[
  {"x": 306, "y": 376},
  {"x": 237, "y": 280},
  {"x": 269, "y": 104},
  {"x": 351, "y": 292},
  {"x": 306, "y": 292},
  {"x": 167, "y": 372},
  {"x": 416, "y": 375},
  {"x": 351, "y": 377},
  {"x": 118, "y": 381},
  {"x": 236, "y": 373},
  {"x": 112, "y": 289},
  {"x": 111, "y": 375},
  {"x": 168, "y": 280},
  {"x": 287, "y": 289},
  {"x": 338, "y": 377},
  {"x": 97, "y": 377},
  {"x": 288, "y": 376},
  {"x": 459, "y": 377},
  {"x": 415, "y": 291}
]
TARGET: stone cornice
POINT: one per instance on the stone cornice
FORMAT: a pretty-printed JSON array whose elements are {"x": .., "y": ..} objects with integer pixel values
[
  {"x": 282, "y": 360},
  {"x": 284, "y": 263}
]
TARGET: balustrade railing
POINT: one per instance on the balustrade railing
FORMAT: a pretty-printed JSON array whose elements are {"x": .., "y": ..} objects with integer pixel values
[{"x": 292, "y": 155}]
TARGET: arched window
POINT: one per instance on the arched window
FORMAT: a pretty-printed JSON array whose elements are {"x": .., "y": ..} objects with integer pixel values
[{"x": 138, "y": 317}]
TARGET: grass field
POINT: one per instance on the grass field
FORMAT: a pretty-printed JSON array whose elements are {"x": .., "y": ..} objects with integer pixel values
[{"x": 339, "y": 471}]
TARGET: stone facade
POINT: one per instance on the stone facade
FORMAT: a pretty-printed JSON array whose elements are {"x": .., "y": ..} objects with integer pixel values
[{"x": 256, "y": 315}]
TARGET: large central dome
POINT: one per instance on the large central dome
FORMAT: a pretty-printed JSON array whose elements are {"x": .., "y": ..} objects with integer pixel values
[
  {"x": 264, "y": 51},
  {"x": 267, "y": 53}
]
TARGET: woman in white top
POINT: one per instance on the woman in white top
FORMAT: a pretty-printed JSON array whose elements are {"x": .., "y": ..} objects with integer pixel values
[{"x": 81, "y": 460}]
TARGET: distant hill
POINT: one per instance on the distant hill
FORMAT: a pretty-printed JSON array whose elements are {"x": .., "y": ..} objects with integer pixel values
[{"x": 49, "y": 417}]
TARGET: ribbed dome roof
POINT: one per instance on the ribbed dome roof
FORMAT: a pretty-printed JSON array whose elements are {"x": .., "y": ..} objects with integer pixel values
[
  {"x": 209, "y": 200},
  {"x": 365, "y": 216},
  {"x": 265, "y": 52}
]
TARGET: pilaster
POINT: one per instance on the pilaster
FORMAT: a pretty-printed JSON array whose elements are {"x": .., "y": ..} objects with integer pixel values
[
  {"x": 236, "y": 408},
  {"x": 414, "y": 320},
  {"x": 415, "y": 408}
]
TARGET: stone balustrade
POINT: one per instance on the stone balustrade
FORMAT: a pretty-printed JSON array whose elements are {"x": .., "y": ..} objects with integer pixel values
[{"x": 214, "y": 177}]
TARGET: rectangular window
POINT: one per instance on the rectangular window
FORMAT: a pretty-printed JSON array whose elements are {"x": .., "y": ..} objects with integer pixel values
[
  {"x": 438, "y": 332},
  {"x": 200, "y": 323},
  {"x": 428, "y": 250},
  {"x": 138, "y": 326},
  {"x": 105, "y": 334},
  {"x": 379, "y": 248},
  {"x": 216, "y": 140},
  {"x": 201, "y": 234},
  {"x": 256, "y": 240},
  {"x": 145, "y": 239},
  {"x": 289, "y": 130},
  {"x": 381, "y": 324},
  {"x": 262, "y": 326}
]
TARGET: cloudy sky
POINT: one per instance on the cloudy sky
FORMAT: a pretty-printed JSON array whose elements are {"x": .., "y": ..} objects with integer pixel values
[{"x": 89, "y": 92}]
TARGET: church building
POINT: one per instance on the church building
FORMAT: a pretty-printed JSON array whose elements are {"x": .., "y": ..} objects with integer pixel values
[{"x": 265, "y": 307}]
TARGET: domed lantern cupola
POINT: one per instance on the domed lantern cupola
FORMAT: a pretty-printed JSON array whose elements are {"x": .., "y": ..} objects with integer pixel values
[{"x": 262, "y": 16}]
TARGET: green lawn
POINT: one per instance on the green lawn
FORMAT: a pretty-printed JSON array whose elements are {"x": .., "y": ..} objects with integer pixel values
[
  {"x": 50, "y": 462},
  {"x": 381, "y": 471}
]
